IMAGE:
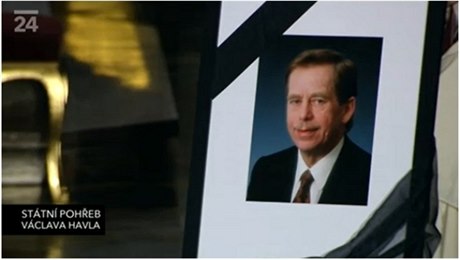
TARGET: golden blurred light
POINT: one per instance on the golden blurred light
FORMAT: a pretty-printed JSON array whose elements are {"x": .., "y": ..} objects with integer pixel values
[
  {"x": 56, "y": 86},
  {"x": 104, "y": 36}
]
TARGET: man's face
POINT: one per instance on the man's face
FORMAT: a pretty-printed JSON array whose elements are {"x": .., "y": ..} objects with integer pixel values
[{"x": 315, "y": 119}]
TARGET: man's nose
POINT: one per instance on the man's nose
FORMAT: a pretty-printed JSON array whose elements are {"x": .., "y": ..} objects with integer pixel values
[{"x": 306, "y": 112}]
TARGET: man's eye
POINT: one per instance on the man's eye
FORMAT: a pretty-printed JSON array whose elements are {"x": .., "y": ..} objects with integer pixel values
[
  {"x": 318, "y": 101},
  {"x": 294, "y": 101}
]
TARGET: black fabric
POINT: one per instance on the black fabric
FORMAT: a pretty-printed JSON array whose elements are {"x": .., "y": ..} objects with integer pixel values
[
  {"x": 273, "y": 176},
  {"x": 396, "y": 251},
  {"x": 380, "y": 229},
  {"x": 246, "y": 44},
  {"x": 388, "y": 224},
  {"x": 424, "y": 140}
]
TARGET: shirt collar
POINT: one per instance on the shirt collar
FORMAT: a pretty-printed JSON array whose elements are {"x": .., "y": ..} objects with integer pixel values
[{"x": 322, "y": 168}]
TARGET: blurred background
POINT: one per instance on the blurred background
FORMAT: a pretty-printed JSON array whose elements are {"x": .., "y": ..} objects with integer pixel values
[{"x": 98, "y": 107}]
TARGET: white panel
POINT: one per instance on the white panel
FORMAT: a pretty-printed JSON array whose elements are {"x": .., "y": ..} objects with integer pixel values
[
  {"x": 228, "y": 152},
  {"x": 232, "y": 15},
  {"x": 232, "y": 227}
]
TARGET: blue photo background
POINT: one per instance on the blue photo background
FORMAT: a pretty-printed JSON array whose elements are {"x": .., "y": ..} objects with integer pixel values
[{"x": 269, "y": 127}]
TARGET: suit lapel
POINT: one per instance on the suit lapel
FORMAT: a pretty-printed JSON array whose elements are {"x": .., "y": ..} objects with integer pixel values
[
  {"x": 287, "y": 179},
  {"x": 333, "y": 191}
]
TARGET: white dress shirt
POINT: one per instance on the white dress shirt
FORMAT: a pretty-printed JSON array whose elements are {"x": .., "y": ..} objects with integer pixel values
[{"x": 320, "y": 172}]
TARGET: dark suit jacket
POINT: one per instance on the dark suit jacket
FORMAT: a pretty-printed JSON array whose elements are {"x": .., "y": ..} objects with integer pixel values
[{"x": 273, "y": 176}]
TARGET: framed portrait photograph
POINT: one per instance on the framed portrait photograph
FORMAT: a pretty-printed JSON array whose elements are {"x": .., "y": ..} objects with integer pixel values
[
  {"x": 270, "y": 133},
  {"x": 310, "y": 114}
]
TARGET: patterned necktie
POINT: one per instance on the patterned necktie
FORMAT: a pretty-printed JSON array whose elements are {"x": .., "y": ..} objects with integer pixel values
[{"x": 303, "y": 194}]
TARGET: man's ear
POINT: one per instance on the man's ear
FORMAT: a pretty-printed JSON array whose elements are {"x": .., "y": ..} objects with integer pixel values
[{"x": 348, "y": 110}]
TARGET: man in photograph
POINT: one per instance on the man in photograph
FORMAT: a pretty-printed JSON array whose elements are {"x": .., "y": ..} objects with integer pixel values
[{"x": 324, "y": 165}]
